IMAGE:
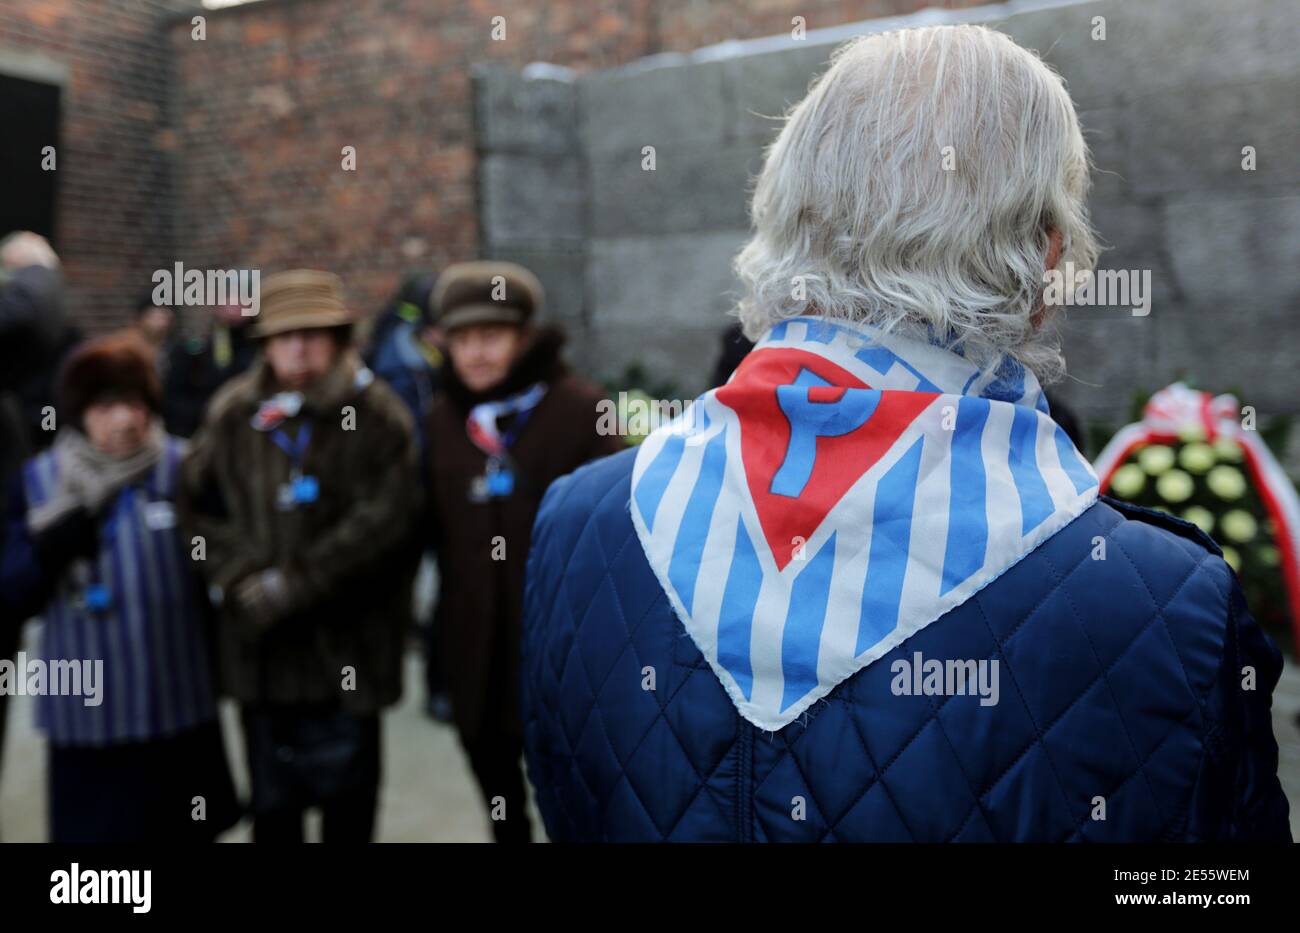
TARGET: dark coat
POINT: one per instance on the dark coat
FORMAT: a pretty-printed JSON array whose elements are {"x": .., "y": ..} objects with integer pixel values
[
  {"x": 348, "y": 558},
  {"x": 1121, "y": 678},
  {"x": 481, "y": 598},
  {"x": 34, "y": 337},
  {"x": 194, "y": 374}
]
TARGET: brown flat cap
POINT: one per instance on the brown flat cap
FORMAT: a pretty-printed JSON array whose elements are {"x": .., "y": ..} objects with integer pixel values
[
  {"x": 485, "y": 292},
  {"x": 300, "y": 299}
]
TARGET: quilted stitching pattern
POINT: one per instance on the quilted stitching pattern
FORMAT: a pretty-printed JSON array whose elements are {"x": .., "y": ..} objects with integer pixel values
[{"x": 1112, "y": 684}]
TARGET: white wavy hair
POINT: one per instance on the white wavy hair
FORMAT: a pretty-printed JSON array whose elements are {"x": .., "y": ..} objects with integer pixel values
[{"x": 855, "y": 201}]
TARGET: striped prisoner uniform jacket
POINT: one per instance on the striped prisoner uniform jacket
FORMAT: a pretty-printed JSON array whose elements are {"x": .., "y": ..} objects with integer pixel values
[{"x": 156, "y": 676}]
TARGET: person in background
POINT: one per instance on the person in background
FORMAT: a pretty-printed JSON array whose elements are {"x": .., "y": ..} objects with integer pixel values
[
  {"x": 405, "y": 349},
  {"x": 153, "y": 325},
  {"x": 405, "y": 352},
  {"x": 733, "y": 347},
  {"x": 868, "y": 590},
  {"x": 304, "y": 487},
  {"x": 1066, "y": 417},
  {"x": 34, "y": 337},
  {"x": 198, "y": 366},
  {"x": 510, "y": 419},
  {"x": 92, "y": 545}
]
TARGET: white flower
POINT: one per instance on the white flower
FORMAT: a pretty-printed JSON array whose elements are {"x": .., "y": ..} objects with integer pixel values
[
  {"x": 1201, "y": 517},
  {"x": 1197, "y": 458},
  {"x": 1226, "y": 482},
  {"x": 1128, "y": 481},
  {"x": 1175, "y": 486},
  {"x": 1238, "y": 525},
  {"x": 1156, "y": 459}
]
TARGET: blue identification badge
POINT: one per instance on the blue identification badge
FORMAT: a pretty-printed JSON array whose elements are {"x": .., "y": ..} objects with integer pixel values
[
  {"x": 300, "y": 490},
  {"x": 497, "y": 481},
  {"x": 500, "y": 483},
  {"x": 97, "y": 597},
  {"x": 500, "y": 480},
  {"x": 305, "y": 489}
]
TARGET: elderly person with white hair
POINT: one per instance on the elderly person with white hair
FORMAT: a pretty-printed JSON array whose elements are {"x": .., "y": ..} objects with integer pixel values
[{"x": 867, "y": 589}]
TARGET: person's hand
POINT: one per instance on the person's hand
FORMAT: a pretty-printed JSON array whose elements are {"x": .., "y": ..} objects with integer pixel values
[
  {"x": 75, "y": 535},
  {"x": 28, "y": 249},
  {"x": 262, "y": 598}
]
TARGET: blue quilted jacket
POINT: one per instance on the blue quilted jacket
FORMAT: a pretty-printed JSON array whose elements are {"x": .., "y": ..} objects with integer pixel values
[{"x": 1122, "y": 715}]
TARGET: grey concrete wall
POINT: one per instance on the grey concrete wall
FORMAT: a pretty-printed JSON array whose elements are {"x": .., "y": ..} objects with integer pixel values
[
  {"x": 1167, "y": 102},
  {"x": 532, "y": 185}
]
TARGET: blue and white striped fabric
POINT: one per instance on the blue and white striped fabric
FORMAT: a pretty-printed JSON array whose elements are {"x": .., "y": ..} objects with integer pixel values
[
  {"x": 845, "y": 489},
  {"x": 156, "y": 675}
]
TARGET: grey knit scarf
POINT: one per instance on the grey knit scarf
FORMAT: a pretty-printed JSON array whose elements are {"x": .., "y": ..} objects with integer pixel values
[{"x": 90, "y": 478}]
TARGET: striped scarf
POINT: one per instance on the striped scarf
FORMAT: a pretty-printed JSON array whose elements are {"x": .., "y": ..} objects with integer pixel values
[
  {"x": 89, "y": 477},
  {"x": 481, "y": 424},
  {"x": 842, "y": 491}
]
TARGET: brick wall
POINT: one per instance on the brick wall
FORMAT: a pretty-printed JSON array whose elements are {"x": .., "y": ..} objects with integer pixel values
[
  {"x": 114, "y": 196},
  {"x": 227, "y": 151},
  {"x": 266, "y": 103}
]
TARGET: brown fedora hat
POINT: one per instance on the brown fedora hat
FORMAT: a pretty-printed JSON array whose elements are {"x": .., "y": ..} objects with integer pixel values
[{"x": 300, "y": 299}]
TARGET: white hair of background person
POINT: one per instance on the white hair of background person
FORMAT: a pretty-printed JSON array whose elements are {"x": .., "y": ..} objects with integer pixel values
[
  {"x": 855, "y": 198},
  {"x": 22, "y": 248}
]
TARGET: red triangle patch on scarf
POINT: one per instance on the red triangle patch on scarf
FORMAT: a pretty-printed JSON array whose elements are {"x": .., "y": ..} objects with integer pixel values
[{"x": 792, "y": 508}]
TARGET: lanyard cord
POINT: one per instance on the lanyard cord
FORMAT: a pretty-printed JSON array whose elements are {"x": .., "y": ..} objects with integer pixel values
[
  {"x": 508, "y": 439},
  {"x": 298, "y": 448}
]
